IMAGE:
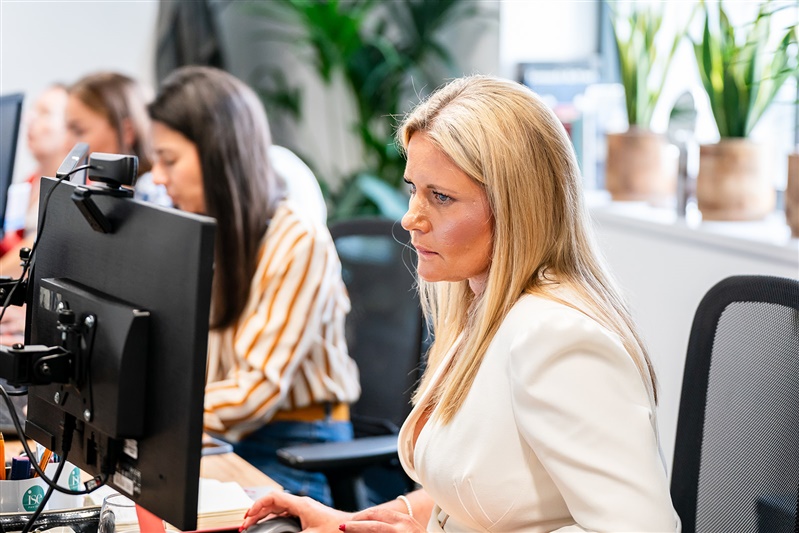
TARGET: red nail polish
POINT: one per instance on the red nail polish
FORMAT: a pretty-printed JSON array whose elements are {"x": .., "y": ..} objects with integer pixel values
[
  {"x": 247, "y": 513},
  {"x": 342, "y": 527}
]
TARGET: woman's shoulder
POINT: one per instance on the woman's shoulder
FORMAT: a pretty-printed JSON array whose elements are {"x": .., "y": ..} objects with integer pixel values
[
  {"x": 538, "y": 306},
  {"x": 557, "y": 316},
  {"x": 290, "y": 218}
]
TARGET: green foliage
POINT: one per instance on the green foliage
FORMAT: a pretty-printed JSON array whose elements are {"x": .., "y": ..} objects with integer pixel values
[
  {"x": 642, "y": 64},
  {"x": 385, "y": 51},
  {"x": 741, "y": 76}
]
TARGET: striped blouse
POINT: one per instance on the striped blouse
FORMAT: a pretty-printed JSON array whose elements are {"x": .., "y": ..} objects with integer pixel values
[{"x": 287, "y": 349}]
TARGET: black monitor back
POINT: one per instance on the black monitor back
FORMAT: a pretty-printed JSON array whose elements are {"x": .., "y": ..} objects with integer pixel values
[
  {"x": 10, "y": 118},
  {"x": 158, "y": 260}
]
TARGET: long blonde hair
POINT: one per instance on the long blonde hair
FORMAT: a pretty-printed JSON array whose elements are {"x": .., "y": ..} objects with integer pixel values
[{"x": 506, "y": 139}]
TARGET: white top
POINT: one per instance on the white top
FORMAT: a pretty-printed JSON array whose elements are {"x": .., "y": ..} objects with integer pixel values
[
  {"x": 558, "y": 432},
  {"x": 301, "y": 185},
  {"x": 147, "y": 190}
]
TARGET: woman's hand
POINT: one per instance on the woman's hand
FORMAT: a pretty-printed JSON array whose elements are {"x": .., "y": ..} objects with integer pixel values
[
  {"x": 315, "y": 517},
  {"x": 376, "y": 520}
]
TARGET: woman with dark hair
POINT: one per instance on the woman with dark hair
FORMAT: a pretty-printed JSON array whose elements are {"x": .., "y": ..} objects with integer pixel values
[
  {"x": 278, "y": 368},
  {"x": 107, "y": 110}
]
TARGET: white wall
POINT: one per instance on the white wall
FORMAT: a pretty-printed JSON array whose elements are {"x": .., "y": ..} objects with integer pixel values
[
  {"x": 42, "y": 42},
  {"x": 546, "y": 30}
]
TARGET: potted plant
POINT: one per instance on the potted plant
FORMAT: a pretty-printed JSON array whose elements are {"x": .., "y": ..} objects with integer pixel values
[
  {"x": 741, "y": 75},
  {"x": 640, "y": 163}
]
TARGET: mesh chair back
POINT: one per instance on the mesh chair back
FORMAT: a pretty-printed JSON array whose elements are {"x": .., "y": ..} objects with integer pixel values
[
  {"x": 736, "y": 461},
  {"x": 384, "y": 327}
]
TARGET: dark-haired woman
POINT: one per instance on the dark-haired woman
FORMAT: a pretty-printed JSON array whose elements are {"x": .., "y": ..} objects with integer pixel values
[{"x": 278, "y": 368}]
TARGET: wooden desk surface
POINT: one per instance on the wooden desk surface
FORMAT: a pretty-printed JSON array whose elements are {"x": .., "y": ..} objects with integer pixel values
[
  {"x": 223, "y": 467},
  {"x": 231, "y": 467}
]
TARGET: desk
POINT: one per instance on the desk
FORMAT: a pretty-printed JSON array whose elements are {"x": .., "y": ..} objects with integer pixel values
[{"x": 231, "y": 467}]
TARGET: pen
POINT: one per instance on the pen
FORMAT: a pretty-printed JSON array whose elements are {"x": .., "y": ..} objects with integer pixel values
[
  {"x": 43, "y": 461},
  {"x": 20, "y": 468},
  {"x": 3, "y": 455}
]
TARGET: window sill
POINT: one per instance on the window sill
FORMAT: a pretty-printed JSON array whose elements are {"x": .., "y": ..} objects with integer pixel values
[{"x": 769, "y": 239}]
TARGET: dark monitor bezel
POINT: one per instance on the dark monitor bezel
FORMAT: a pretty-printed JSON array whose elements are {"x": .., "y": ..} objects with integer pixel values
[
  {"x": 160, "y": 260},
  {"x": 12, "y": 131}
]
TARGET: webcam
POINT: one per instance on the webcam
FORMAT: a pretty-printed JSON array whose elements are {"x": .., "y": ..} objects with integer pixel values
[{"x": 115, "y": 170}]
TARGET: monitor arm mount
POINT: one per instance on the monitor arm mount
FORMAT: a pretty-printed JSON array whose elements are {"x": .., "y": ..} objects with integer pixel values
[{"x": 42, "y": 365}]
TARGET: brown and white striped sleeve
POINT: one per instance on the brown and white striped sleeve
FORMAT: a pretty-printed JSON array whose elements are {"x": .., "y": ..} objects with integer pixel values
[{"x": 287, "y": 350}]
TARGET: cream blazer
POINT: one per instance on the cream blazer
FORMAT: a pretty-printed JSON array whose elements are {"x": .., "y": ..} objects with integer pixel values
[{"x": 557, "y": 433}]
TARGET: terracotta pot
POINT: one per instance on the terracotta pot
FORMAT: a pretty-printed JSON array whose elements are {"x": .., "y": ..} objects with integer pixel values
[
  {"x": 641, "y": 166},
  {"x": 792, "y": 195},
  {"x": 733, "y": 181}
]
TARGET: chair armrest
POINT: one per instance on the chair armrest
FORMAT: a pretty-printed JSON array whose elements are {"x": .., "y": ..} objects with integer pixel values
[{"x": 361, "y": 452}]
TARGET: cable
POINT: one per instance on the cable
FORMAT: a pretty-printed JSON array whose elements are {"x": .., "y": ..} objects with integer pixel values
[
  {"x": 43, "y": 502},
  {"x": 26, "y": 265},
  {"x": 34, "y": 464}
]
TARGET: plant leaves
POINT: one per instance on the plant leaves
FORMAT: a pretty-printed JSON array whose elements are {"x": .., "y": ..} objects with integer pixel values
[
  {"x": 642, "y": 64},
  {"x": 738, "y": 77}
]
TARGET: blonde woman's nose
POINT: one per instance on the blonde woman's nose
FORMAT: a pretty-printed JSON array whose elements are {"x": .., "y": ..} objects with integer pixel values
[{"x": 414, "y": 218}]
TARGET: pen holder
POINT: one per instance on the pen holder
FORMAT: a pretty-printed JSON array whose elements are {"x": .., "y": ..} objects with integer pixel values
[
  {"x": 22, "y": 495},
  {"x": 70, "y": 479}
]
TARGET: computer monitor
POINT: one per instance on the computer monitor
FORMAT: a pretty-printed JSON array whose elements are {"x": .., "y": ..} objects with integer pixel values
[
  {"x": 10, "y": 117},
  {"x": 134, "y": 303}
]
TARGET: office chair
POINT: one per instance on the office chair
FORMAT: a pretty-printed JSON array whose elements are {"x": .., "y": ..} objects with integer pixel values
[
  {"x": 385, "y": 337},
  {"x": 736, "y": 459}
]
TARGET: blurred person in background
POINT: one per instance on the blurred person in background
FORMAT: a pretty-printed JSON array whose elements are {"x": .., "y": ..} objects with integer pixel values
[
  {"x": 107, "y": 110},
  {"x": 48, "y": 143}
]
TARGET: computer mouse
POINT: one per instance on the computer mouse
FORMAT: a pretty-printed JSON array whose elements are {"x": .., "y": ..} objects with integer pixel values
[{"x": 279, "y": 524}]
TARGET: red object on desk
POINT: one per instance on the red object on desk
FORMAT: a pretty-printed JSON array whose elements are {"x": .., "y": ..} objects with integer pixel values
[{"x": 148, "y": 521}]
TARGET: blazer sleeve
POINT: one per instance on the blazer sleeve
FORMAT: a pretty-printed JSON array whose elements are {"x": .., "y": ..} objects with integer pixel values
[
  {"x": 271, "y": 343},
  {"x": 581, "y": 405}
]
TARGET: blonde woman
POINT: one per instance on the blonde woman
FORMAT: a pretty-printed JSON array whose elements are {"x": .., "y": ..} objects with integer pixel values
[{"x": 537, "y": 409}]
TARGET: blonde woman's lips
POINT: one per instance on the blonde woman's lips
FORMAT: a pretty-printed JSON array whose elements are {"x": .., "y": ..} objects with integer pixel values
[{"x": 424, "y": 252}]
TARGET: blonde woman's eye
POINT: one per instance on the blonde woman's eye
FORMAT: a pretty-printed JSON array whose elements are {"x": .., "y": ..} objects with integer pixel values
[
  {"x": 411, "y": 187},
  {"x": 442, "y": 198}
]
